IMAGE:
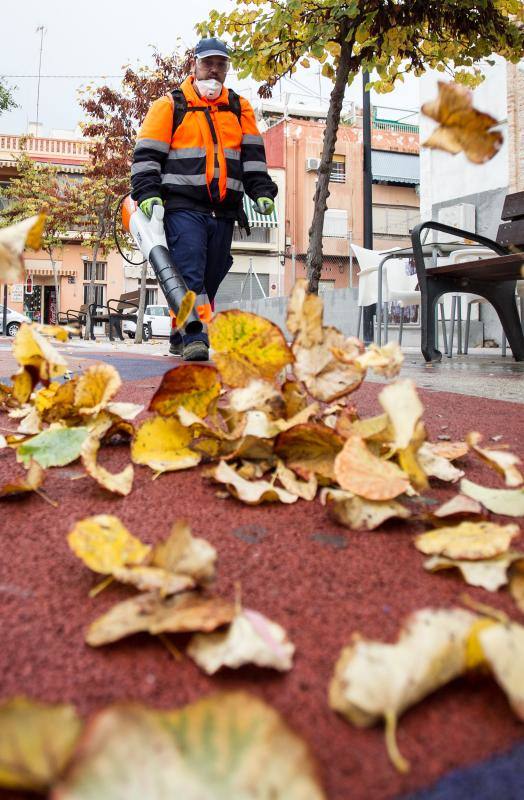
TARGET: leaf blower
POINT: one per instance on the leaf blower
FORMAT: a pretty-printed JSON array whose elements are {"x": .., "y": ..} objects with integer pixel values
[{"x": 150, "y": 238}]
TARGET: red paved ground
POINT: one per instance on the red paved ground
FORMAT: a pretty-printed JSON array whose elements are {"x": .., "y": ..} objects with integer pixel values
[{"x": 318, "y": 580}]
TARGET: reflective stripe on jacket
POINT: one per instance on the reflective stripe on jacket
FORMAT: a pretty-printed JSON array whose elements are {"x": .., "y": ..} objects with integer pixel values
[{"x": 208, "y": 163}]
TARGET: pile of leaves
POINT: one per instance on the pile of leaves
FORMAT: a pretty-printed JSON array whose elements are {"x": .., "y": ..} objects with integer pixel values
[
  {"x": 227, "y": 745},
  {"x": 173, "y": 579}
]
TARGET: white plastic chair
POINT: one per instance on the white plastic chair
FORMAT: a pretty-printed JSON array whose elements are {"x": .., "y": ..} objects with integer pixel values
[
  {"x": 470, "y": 254},
  {"x": 397, "y": 286}
]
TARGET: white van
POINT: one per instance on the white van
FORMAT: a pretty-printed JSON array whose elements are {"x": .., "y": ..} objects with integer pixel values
[
  {"x": 159, "y": 318},
  {"x": 13, "y": 321}
]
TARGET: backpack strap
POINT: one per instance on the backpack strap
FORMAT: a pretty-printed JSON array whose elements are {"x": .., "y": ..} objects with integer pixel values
[{"x": 180, "y": 108}]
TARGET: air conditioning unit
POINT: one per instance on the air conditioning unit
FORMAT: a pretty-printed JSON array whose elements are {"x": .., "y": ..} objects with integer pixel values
[{"x": 312, "y": 164}]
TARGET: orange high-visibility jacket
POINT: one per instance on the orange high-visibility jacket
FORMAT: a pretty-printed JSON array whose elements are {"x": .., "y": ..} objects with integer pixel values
[{"x": 209, "y": 161}]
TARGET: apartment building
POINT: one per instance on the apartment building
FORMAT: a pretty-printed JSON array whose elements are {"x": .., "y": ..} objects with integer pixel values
[{"x": 294, "y": 139}]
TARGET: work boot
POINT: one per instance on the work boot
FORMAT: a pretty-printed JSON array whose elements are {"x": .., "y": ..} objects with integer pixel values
[
  {"x": 196, "y": 351},
  {"x": 176, "y": 348}
]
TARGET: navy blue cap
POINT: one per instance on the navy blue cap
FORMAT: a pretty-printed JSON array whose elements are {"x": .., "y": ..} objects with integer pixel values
[{"x": 211, "y": 47}]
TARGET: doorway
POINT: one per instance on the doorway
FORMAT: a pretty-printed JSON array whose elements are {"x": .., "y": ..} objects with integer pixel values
[{"x": 50, "y": 310}]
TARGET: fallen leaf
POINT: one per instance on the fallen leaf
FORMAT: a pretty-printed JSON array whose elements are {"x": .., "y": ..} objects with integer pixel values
[
  {"x": 247, "y": 346},
  {"x": 358, "y": 471},
  {"x": 181, "y": 613},
  {"x": 126, "y": 411},
  {"x": 460, "y": 505},
  {"x": 29, "y": 482},
  {"x": 325, "y": 377},
  {"x": 309, "y": 449},
  {"x": 461, "y": 127},
  {"x": 370, "y": 428},
  {"x": 469, "y": 541},
  {"x": 304, "y": 315},
  {"x": 401, "y": 403},
  {"x": 120, "y": 483},
  {"x": 503, "y": 647},
  {"x": 436, "y": 466},
  {"x": 246, "y": 747},
  {"x": 36, "y": 743},
  {"x": 95, "y": 388},
  {"x": 54, "y": 447},
  {"x": 13, "y": 240},
  {"x": 153, "y": 579},
  {"x": 490, "y": 573},
  {"x": 516, "y": 587},
  {"x": 103, "y": 543},
  {"x": 358, "y": 514},
  {"x": 501, "y": 501},
  {"x": 250, "y": 639},
  {"x": 448, "y": 450},
  {"x": 32, "y": 349},
  {"x": 373, "y": 680},
  {"x": 23, "y": 383},
  {"x": 504, "y": 462},
  {"x": 192, "y": 386},
  {"x": 185, "y": 554},
  {"x": 386, "y": 360},
  {"x": 162, "y": 443},
  {"x": 295, "y": 398},
  {"x": 257, "y": 395},
  {"x": 250, "y": 492},
  {"x": 289, "y": 480}
]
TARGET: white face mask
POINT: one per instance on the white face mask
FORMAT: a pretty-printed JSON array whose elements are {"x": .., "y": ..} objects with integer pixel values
[{"x": 209, "y": 89}]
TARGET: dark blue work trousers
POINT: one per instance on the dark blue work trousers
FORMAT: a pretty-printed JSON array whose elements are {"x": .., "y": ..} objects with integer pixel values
[{"x": 200, "y": 246}]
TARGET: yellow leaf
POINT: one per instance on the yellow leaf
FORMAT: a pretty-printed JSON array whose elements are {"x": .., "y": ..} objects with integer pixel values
[
  {"x": 95, "y": 388},
  {"x": 247, "y": 346},
  {"x": 358, "y": 471},
  {"x": 29, "y": 482},
  {"x": 192, "y": 386},
  {"x": 181, "y": 613},
  {"x": 474, "y": 653},
  {"x": 22, "y": 385},
  {"x": 162, "y": 443},
  {"x": 36, "y": 743},
  {"x": 503, "y": 647},
  {"x": 103, "y": 544},
  {"x": 57, "y": 401},
  {"x": 501, "y": 501},
  {"x": 185, "y": 308},
  {"x": 401, "y": 403},
  {"x": 469, "y": 540},
  {"x": 120, "y": 483},
  {"x": 31, "y": 349},
  {"x": 250, "y": 639}
]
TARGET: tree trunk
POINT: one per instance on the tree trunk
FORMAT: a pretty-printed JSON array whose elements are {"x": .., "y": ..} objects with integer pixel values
[
  {"x": 314, "y": 253},
  {"x": 100, "y": 235},
  {"x": 56, "y": 282},
  {"x": 141, "y": 303}
]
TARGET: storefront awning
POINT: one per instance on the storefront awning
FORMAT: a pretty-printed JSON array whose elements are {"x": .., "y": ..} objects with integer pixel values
[
  {"x": 43, "y": 267},
  {"x": 48, "y": 271},
  {"x": 257, "y": 220},
  {"x": 392, "y": 167}
]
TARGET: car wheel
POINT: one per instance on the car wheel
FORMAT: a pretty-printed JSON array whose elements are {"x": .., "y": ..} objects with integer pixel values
[
  {"x": 13, "y": 328},
  {"x": 131, "y": 334},
  {"x": 146, "y": 334}
]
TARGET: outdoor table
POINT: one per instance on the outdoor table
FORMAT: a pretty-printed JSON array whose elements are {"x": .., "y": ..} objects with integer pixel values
[{"x": 434, "y": 249}]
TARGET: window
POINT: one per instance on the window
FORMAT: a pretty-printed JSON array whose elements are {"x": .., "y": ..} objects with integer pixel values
[
  {"x": 100, "y": 271},
  {"x": 394, "y": 220},
  {"x": 325, "y": 285},
  {"x": 100, "y": 293},
  {"x": 336, "y": 223},
  {"x": 258, "y": 235},
  {"x": 152, "y": 298},
  {"x": 338, "y": 169}
]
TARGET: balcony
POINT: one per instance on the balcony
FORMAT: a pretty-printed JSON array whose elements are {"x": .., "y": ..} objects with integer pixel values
[{"x": 67, "y": 152}]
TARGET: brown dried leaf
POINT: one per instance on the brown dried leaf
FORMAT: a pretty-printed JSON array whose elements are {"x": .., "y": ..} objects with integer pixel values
[
  {"x": 386, "y": 360},
  {"x": 360, "y": 472},
  {"x": 304, "y": 315},
  {"x": 401, "y": 403},
  {"x": 304, "y": 489},
  {"x": 325, "y": 377},
  {"x": 357, "y": 514},
  {"x": 460, "y": 505},
  {"x": 29, "y": 482},
  {"x": 151, "y": 613},
  {"x": 192, "y": 386},
  {"x": 490, "y": 573},
  {"x": 309, "y": 449},
  {"x": 250, "y": 492},
  {"x": 501, "y": 501},
  {"x": 504, "y": 462}
]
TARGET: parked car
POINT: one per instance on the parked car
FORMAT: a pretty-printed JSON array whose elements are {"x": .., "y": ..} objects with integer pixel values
[
  {"x": 159, "y": 318},
  {"x": 13, "y": 321}
]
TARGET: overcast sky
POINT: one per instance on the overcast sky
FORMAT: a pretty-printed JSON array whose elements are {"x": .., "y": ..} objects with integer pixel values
[{"x": 98, "y": 37}]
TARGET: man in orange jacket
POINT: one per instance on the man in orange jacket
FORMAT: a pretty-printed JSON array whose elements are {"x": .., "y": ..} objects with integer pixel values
[{"x": 197, "y": 151}]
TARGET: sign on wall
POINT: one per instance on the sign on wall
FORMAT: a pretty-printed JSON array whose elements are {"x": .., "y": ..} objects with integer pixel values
[{"x": 17, "y": 293}]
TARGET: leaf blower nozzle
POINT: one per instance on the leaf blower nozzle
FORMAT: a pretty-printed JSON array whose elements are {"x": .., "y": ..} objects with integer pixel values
[{"x": 150, "y": 238}]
